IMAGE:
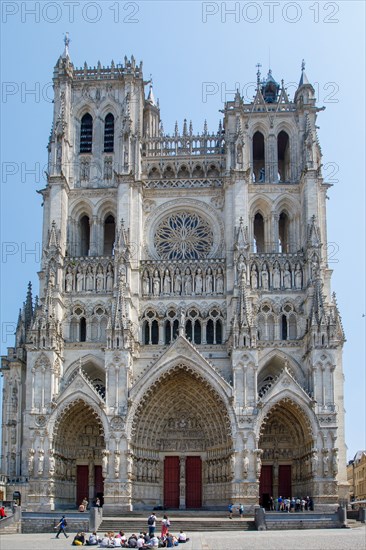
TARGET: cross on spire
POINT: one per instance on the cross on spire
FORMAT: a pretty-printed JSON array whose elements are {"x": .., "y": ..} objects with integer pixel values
[
  {"x": 258, "y": 65},
  {"x": 66, "y": 42}
]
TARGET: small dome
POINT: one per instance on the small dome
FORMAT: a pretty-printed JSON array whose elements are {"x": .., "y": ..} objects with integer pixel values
[{"x": 270, "y": 88}]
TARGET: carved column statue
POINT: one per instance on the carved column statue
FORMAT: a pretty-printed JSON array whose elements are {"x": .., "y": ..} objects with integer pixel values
[{"x": 182, "y": 482}]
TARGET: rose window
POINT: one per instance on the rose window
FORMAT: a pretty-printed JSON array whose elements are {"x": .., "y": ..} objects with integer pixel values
[{"x": 182, "y": 236}]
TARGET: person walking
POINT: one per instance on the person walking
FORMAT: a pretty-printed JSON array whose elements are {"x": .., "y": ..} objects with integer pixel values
[
  {"x": 241, "y": 510},
  {"x": 61, "y": 527},
  {"x": 230, "y": 508}
]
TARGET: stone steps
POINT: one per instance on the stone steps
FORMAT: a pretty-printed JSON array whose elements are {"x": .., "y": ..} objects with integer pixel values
[{"x": 135, "y": 525}]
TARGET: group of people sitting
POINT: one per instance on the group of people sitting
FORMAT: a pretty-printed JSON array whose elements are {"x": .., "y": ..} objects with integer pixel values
[{"x": 120, "y": 540}]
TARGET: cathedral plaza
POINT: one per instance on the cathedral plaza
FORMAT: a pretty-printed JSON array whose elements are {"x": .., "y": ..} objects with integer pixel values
[
  {"x": 185, "y": 347},
  {"x": 327, "y": 539}
]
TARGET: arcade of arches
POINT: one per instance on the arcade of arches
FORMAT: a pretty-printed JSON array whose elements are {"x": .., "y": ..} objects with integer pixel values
[{"x": 181, "y": 448}]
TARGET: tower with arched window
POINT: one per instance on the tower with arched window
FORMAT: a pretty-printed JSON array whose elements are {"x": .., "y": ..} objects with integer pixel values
[{"x": 186, "y": 348}]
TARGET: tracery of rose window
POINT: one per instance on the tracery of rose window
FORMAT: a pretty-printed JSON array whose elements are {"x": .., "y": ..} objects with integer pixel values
[{"x": 182, "y": 236}]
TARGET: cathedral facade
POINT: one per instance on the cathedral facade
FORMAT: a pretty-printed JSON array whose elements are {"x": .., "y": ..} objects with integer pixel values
[{"x": 186, "y": 349}]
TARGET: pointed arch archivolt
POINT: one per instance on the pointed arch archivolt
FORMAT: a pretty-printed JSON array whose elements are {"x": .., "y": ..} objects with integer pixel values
[
  {"x": 294, "y": 411},
  {"x": 71, "y": 419},
  {"x": 181, "y": 404}
]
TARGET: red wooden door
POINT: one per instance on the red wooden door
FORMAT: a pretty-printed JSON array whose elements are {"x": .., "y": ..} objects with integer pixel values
[
  {"x": 98, "y": 482},
  {"x": 284, "y": 481},
  {"x": 82, "y": 483},
  {"x": 265, "y": 485},
  {"x": 193, "y": 482},
  {"x": 171, "y": 482}
]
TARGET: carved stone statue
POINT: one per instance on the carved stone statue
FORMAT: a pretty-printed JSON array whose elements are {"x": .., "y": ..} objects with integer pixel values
[
  {"x": 258, "y": 463},
  {"x": 188, "y": 282},
  {"x": 31, "y": 453},
  {"x": 177, "y": 281},
  {"x": 182, "y": 322},
  {"x": 219, "y": 281},
  {"x": 105, "y": 455},
  {"x": 89, "y": 283},
  {"x": 242, "y": 269},
  {"x": 254, "y": 277},
  {"x": 198, "y": 281},
  {"x": 276, "y": 281},
  {"x": 245, "y": 465},
  {"x": 298, "y": 277},
  {"x": 79, "y": 281},
  {"x": 156, "y": 283},
  {"x": 117, "y": 460},
  {"x": 209, "y": 281},
  {"x": 264, "y": 274},
  {"x": 69, "y": 280},
  {"x": 287, "y": 283},
  {"x": 40, "y": 461},
  {"x": 109, "y": 278},
  {"x": 314, "y": 462},
  {"x": 145, "y": 283},
  {"x": 100, "y": 279},
  {"x": 167, "y": 281},
  {"x": 51, "y": 462}
]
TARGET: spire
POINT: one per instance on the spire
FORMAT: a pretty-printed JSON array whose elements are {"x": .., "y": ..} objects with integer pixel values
[
  {"x": 150, "y": 97},
  {"x": 303, "y": 78},
  {"x": 314, "y": 235},
  {"x": 66, "y": 50},
  {"x": 185, "y": 132},
  {"x": 122, "y": 239},
  {"x": 318, "y": 311},
  {"x": 28, "y": 307},
  {"x": 120, "y": 318},
  {"x": 205, "y": 128},
  {"x": 52, "y": 239},
  {"x": 258, "y": 65},
  {"x": 243, "y": 309},
  {"x": 242, "y": 240}
]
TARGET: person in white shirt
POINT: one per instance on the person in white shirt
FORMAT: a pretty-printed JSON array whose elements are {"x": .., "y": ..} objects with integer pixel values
[
  {"x": 154, "y": 542},
  {"x": 182, "y": 537}
]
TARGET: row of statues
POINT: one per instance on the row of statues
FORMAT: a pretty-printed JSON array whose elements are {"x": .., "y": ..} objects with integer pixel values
[
  {"x": 89, "y": 278},
  {"x": 186, "y": 281},
  {"x": 219, "y": 470},
  {"x": 269, "y": 276}
]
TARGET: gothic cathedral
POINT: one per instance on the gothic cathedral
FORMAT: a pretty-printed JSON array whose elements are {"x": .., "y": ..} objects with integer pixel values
[{"x": 186, "y": 349}]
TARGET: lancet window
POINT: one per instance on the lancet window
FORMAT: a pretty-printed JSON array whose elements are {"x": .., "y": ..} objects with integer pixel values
[
  {"x": 109, "y": 133},
  {"x": 150, "y": 328},
  {"x": 86, "y": 133}
]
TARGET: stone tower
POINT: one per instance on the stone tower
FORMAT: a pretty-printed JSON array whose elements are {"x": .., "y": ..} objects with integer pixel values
[{"x": 186, "y": 349}]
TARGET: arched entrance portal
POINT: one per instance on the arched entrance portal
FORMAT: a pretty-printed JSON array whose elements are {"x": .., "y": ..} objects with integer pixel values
[
  {"x": 181, "y": 444},
  {"x": 286, "y": 443},
  {"x": 78, "y": 445}
]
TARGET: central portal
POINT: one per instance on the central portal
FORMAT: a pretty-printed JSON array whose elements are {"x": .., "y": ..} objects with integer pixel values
[
  {"x": 181, "y": 443},
  {"x": 183, "y": 482}
]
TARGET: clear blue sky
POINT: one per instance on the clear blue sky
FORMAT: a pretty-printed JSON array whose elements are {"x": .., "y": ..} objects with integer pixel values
[{"x": 186, "y": 45}]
